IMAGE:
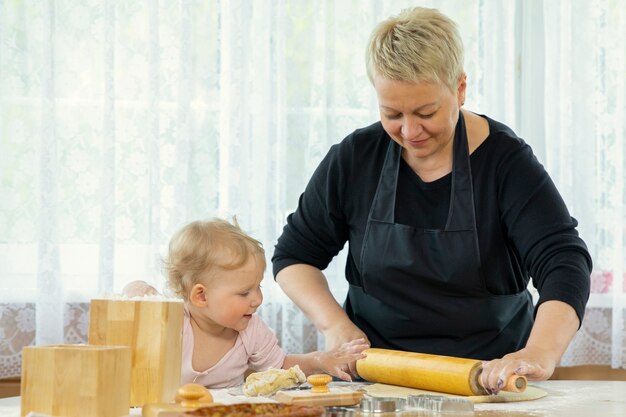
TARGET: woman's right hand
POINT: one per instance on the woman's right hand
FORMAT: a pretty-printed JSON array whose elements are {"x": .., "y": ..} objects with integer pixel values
[
  {"x": 344, "y": 332},
  {"x": 308, "y": 288},
  {"x": 335, "y": 361},
  {"x": 139, "y": 289}
]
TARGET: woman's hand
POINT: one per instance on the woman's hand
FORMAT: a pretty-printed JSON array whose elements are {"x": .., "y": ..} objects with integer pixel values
[
  {"x": 335, "y": 361},
  {"x": 344, "y": 331},
  {"x": 555, "y": 326},
  {"x": 530, "y": 362},
  {"x": 139, "y": 289},
  {"x": 308, "y": 288}
]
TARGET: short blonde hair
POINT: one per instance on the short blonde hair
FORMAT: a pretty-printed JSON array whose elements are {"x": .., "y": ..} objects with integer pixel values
[
  {"x": 417, "y": 45},
  {"x": 201, "y": 247}
]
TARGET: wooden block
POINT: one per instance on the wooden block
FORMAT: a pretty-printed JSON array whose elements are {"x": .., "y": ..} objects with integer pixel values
[
  {"x": 76, "y": 380},
  {"x": 336, "y": 396},
  {"x": 153, "y": 331},
  {"x": 163, "y": 410}
]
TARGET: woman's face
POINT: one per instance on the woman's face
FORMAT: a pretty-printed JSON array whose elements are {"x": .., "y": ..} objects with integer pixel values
[{"x": 420, "y": 117}]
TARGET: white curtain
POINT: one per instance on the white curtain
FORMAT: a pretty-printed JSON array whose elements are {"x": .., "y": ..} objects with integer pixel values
[
  {"x": 120, "y": 121},
  {"x": 583, "y": 148}
]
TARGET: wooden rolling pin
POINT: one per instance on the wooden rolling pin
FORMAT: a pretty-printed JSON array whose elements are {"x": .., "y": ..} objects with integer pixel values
[{"x": 428, "y": 372}]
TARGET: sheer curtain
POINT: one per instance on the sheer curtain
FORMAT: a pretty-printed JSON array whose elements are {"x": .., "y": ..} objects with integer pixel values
[
  {"x": 583, "y": 148},
  {"x": 120, "y": 121}
]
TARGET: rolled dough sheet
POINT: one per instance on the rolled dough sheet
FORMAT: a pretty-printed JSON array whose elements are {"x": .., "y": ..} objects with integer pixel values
[{"x": 384, "y": 390}]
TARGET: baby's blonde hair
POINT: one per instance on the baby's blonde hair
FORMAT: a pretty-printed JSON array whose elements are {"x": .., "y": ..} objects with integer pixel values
[
  {"x": 201, "y": 247},
  {"x": 417, "y": 45}
]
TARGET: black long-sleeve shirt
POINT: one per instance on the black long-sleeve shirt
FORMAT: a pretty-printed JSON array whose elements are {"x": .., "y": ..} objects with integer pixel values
[{"x": 524, "y": 227}]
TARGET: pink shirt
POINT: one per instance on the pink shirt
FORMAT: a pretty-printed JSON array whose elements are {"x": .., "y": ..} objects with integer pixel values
[{"x": 256, "y": 347}]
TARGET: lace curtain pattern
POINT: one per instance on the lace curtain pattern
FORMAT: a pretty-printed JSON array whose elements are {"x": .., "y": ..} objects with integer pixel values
[{"x": 120, "y": 121}]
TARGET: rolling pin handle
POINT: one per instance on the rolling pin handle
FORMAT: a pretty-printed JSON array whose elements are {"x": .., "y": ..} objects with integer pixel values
[
  {"x": 193, "y": 395},
  {"x": 319, "y": 382},
  {"x": 515, "y": 383}
]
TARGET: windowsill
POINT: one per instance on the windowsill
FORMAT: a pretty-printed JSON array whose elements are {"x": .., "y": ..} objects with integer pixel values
[
  {"x": 9, "y": 387},
  {"x": 590, "y": 373}
]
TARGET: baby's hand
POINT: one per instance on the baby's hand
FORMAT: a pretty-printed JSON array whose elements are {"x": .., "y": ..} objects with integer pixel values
[
  {"x": 335, "y": 361},
  {"x": 139, "y": 289}
]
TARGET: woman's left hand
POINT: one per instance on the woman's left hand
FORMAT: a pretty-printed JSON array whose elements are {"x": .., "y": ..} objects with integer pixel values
[
  {"x": 529, "y": 362},
  {"x": 555, "y": 325}
]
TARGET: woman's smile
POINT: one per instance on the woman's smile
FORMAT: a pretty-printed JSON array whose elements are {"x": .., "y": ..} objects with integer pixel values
[{"x": 417, "y": 143}]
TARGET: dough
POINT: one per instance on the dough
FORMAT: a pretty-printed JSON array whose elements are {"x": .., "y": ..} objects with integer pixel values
[
  {"x": 269, "y": 382},
  {"x": 384, "y": 390}
]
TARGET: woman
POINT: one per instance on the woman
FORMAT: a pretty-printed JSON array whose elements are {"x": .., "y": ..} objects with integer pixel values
[{"x": 448, "y": 215}]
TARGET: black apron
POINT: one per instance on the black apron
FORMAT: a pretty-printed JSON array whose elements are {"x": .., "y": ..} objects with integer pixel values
[{"x": 422, "y": 290}]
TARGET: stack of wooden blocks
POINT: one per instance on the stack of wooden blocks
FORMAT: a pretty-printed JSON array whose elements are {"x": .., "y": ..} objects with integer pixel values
[{"x": 133, "y": 358}]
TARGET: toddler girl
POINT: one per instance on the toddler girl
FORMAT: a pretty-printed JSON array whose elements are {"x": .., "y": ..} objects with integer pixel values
[{"x": 217, "y": 269}]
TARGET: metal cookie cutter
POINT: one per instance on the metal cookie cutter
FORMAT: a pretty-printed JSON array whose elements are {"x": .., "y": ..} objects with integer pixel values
[
  {"x": 382, "y": 404},
  {"x": 440, "y": 404},
  {"x": 340, "y": 412}
]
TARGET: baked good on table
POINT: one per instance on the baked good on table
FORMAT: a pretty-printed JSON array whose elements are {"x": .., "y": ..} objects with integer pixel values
[{"x": 256, "y": 410}]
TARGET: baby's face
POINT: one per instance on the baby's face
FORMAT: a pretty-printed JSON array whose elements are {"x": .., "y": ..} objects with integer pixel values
[{"x": 234, "y": 295}]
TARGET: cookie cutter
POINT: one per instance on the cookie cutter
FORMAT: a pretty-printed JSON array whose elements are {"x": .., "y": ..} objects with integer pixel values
[
  {"x": 440, "y": 404},
  {"x": 340, "y": 412},
  {"x": 382, "y": 404}
]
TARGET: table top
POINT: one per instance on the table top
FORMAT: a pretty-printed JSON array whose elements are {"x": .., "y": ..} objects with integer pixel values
[{"x": 564, "y": 399}]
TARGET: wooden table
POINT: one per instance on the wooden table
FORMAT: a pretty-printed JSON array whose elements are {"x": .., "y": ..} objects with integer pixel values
[{"x": 565, "y": 399}]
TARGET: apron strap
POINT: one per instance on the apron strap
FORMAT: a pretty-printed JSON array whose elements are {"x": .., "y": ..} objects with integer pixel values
[{"x": 461, "y": 213}]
